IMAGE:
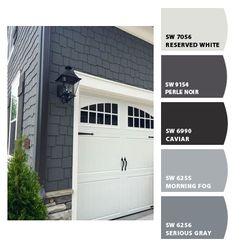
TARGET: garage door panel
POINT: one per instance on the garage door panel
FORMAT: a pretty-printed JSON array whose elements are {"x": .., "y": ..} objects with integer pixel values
[
  {"x": 98, "y": 176},
  {"x": 99, "y": 199},
  {"x": 140, "y": 152},
  {"x": 95, "y": 154},
  {"x": 139, "y": 192}
]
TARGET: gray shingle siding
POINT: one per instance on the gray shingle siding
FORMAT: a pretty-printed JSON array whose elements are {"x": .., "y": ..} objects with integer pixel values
[
  {"x": 106, "y": 52},
  {"x": 26, "y": 58}
]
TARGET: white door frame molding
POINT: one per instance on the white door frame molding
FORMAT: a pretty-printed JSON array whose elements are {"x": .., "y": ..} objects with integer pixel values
[{"x": 103, "y": 87}]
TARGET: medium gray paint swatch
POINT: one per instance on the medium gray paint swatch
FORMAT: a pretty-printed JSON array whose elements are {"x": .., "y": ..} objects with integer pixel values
[
  {"x": 193, "y": 217},
  {"x": 193, "y": 76},
  {"x": 193, "y": 170},
  {"x": 204, "y": 25}
]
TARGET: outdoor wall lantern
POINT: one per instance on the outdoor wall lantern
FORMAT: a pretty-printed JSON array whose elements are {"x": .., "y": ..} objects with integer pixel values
[{"x": 67, "y": 90}]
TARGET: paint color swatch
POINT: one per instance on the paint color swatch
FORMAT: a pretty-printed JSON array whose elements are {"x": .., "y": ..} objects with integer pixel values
[
  {"x": 188, "y": 170},
  {"x": 193, "y": 217},
  {"x": 193, "y": 76},
  {"x": 193, "y": 123},
  {"x": 193, "y": 29}
]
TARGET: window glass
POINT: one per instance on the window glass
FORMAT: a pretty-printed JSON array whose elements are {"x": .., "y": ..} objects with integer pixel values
[
  {"x": 107, "y": 119},
  {"x": 13, "y": 114},
  {"x": 101, "y": 107},
  {"x": 92, "y": 117},
  {"x": 114, "y": 108},
  {"x": 141, "y": 123},
  {"x": 84, "y": 117},
  {"x": 92, "y": 107},
  {"x": 107, "y": 107},
  {"x": 114, "y": 120},
  {"x": 100, "y": 118},
  {"x": 136, "y": 112},
  {"x": 130, "y": 111},
  {"x": 13, "y": 107},
  {"x": 138, "y": 118},
  {"x": 130, "y": 121},
  {"x": 136, "y": 122},
  {"x": 102, "y": 113},
  {"x": 152, "y": 124}
]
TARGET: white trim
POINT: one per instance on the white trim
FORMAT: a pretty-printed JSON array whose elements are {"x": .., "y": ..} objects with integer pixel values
[
  {"x": 90, "y": 83},
  {"x": 75, "y": 158},
  {"x": 10, "y": 46},
  {"x": 143, "y": 32},
  {"x": 97, "y": 85},
  {"x": 15, "y": 85}
]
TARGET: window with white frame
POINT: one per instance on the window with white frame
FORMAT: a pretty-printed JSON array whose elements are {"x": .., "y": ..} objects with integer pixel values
[
  {"x": 137, "y": 118},
  {"x": 12, "y": 33},
  {"x": 102, "y": 113},
  {"x": 13, "y": 114}
]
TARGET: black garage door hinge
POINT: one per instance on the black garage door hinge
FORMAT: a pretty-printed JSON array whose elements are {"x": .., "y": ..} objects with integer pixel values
[{"x": 85, "y": 134}]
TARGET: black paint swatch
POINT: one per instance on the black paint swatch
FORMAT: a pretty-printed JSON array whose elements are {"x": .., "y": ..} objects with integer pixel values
[
  {"x": 193, "y": 76},
  {"x": 193, "y": 123}
]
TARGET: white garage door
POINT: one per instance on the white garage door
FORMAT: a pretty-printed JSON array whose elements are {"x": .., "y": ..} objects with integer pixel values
[{"x": 115, "y": 157}]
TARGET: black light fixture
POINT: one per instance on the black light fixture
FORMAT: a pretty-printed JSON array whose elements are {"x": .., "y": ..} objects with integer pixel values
[{"x": 67, "y": 90}]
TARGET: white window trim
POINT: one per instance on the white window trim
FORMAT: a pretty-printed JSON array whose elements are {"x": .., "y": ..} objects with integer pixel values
[
  {"x": 15, "y": 84},
  {"x": 10, "y": 43}
]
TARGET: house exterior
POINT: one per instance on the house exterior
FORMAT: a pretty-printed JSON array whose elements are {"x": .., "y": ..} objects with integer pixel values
[{"x": 85, "y": 149}]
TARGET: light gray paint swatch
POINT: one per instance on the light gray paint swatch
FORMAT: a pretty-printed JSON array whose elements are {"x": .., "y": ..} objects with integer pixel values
[
  {"x": 193, "y": 170},
  {"x": 204, "y": 25},
  {"x": 193, "y": 217}
]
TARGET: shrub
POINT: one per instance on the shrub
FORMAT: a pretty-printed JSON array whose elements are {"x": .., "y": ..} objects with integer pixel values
[{"x": 24, "y": 200}]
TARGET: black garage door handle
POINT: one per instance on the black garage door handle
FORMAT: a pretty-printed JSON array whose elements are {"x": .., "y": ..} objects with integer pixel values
[
  {"x": 125, "y": 163},
  {"x": 122, "y": 164}
]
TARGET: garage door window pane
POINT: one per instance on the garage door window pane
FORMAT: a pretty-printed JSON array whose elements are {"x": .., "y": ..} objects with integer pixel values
[
  {"x": 152, "y": 124},
  {"x": 114, "y": 120},
  {"x": 107, "y": 119},
  {"x": 147, "y": 123},
  {"x": 84, "y": 117},
  {"x": 141, "y": 123},
  {"x": 141, "y": 113},
  {"x": 136, "y": 112},
  {"x": 100, "y": 118},
  {"x": 136, "y": 122},
  {"x": 108, "y": 108},
  {"x": 92, "y": 117},
  {"x": 92, "y": 108},
  {"x": 101, "y": 107},
  {"x": 130, "y": 122},
  {"x": 130, "y": 111},
  {"x": 114, "y": 108}
]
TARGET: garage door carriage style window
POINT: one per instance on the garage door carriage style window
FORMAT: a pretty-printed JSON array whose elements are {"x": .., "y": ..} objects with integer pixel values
[
  {"x": 138, "y": 118},
  {"x": 102, "y": 113}
]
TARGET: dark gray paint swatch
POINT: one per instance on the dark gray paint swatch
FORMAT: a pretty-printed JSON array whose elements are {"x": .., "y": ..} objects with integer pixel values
[
  {"x": 193, "y": 217},
  {"x": 193, "y": 170},
  {"x": 193, "y": 76}
]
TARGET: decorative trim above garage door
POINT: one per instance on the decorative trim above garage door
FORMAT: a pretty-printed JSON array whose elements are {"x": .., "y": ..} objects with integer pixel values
[{"x": 101, "y": 86}]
